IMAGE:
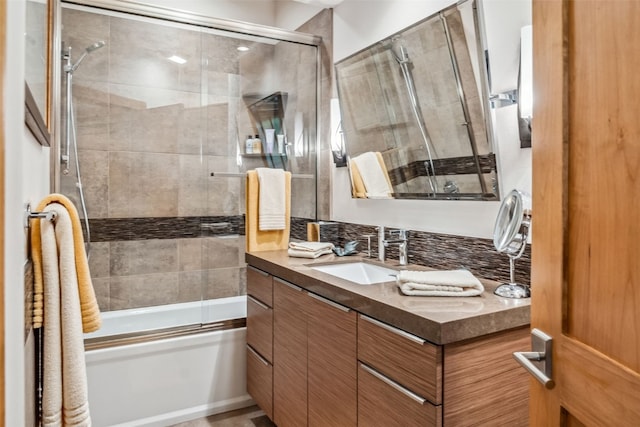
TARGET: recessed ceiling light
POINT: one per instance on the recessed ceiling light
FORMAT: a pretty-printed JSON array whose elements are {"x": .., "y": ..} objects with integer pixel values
[
  {"x": 177, "y": 59},
  {"x": 242, "y": 48}
]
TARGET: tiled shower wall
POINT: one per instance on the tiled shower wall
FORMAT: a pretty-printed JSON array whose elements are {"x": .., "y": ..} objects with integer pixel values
[{"x": 150, "y": 132}]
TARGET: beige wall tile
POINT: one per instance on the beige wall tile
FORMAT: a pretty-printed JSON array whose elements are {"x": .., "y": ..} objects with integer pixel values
[
  {"x": 143, "y": 185},
  {"x": 101, "y": 287},
  {"x": 192, "y": 190},
  {"x": 220, "y": 252},
  {"x": 222, "y": 282},
  {"x": 190, "y": 254},
  {"x": 190, "y": 285},
  {"x": 137, "y": 257},
  {"x": 94, "y": 169},
  {"x": 143, "y": 290},
  {"x": 99, "y": 263}
]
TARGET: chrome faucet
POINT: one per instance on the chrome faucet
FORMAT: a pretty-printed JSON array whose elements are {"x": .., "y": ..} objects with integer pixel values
[
  {"x": 381, "y": 244},
  {"x": 402, "y": 240}
]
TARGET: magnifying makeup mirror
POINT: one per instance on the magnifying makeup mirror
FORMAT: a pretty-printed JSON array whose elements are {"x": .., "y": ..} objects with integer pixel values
[{"x": 510, "y": 237}]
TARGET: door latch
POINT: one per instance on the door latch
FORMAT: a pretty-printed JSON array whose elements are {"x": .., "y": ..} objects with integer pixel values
[{"x": 542, "y": 345}]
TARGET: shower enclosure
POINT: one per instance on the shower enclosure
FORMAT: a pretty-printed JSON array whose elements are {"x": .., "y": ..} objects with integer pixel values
[{"x": 157, "y": 126}]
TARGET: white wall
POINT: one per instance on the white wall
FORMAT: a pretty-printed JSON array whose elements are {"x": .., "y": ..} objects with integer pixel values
[
  {"x": 292, "y": 14},
  {"x": 256, "y": 11},
  {"x": 357, "y": 26},
  {"x": 26, "y": 180}
]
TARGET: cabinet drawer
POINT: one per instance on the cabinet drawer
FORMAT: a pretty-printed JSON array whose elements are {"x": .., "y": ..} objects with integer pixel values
[
  {"x": 260, "y": 327},
  {"x": 260, "y": 285},
  {"x": 260, "y": 381},
  {"x": 383, "y": 402},
  {"x": 405, "y": 358}
]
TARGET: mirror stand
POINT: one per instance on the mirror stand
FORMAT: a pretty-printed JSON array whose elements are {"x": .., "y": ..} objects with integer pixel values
[
  {"x": 510, "y": 236},
  {"x": 512, "y": 289}
]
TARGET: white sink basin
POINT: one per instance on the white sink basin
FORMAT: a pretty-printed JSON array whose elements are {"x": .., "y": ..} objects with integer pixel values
[{"x": 359, "y": 272}]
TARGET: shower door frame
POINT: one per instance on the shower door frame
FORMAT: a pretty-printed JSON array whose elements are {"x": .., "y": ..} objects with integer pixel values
[{"x": 174, "y": 15}]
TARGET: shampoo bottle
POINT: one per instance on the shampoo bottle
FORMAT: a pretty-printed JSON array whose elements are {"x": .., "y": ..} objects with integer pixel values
[
  {"x": 257, "y": 145},
  {"x": 248, "y": 145}
]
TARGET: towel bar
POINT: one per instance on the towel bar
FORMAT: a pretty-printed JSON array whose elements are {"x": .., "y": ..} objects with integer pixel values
[
  {"x": 29, "y": 214},
  {"x": 243, "y": 174}
]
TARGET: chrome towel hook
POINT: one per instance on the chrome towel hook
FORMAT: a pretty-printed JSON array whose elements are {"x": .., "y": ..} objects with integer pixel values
[{"x": 29, "y": 214}]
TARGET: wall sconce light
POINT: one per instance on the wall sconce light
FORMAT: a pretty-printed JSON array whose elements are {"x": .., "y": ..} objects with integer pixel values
[
  {"x": 338, "y": 150},
  {"x": 525, "y": 86},
  {"x": 523, "y": 95}
]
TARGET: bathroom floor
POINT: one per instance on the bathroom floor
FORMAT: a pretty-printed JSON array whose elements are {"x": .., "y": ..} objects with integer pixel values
[{"x": 246, "y": 417}]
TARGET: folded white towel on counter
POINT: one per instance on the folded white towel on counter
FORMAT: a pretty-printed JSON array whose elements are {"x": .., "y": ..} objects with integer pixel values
[
  {"x": 311, "y": 246},
  {"x": 271, "y": 199},
  {"x": 459, "y": 283},
  {"x": 297, "y": 253}
]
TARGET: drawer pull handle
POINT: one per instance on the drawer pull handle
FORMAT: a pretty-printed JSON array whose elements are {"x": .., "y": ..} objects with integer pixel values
[
  {"x": 256, "y": 354},
  {"x": 262, "y": 273},
  {"x": 329, "y": 302},
  {"x": 291, "y": 285},
  {"x": 394, "y": 384},
  {"x": 396, "y": 331},
  {"x": 258, "y": 302}
]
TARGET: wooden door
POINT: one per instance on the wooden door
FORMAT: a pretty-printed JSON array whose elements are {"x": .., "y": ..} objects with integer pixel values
[
  {"x": 289, "y": 355},
  {"x": 586, "y": 195},
  {"x": 3, "y": 63}
]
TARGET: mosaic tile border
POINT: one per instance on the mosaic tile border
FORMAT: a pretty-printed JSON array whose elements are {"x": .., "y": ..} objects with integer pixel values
[
  {"x": 449, "y": 166},
  {"x": 122, "y": 229},
  {"x": 428, "y": 249}
]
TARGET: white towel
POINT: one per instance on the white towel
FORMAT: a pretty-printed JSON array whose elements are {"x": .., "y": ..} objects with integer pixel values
[
  {"x": 271, "y": 199},
  {"x": 373, "y": 177},
  {"x": 308, "y": 254},
  {"x": 460, "y": 283},
  {"x": 65, "y": 397},
  {"x": 311, "y": 246}
]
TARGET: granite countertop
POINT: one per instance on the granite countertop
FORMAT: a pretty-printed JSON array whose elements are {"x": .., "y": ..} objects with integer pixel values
[{"x": 440, "y": 320}]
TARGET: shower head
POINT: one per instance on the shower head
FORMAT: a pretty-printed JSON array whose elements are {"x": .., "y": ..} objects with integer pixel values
[
  {"x": 399, "y": 51},
  {"x": 95, "y": 46}
]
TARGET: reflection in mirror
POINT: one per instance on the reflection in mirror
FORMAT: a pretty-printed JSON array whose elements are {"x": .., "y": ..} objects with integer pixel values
[
  {"x": 510, "y": 237},
  {"x": 36, "y": 52},
  {"x": 417, "y": 100},
  {"x": 37, "y": 31}
]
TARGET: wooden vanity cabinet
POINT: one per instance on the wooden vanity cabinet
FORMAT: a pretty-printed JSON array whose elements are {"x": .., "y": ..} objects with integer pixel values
[
  {"x": 332, "y": 366},
  {"x": 260, "y": 338},
  {"x": 483, "y": 384},
  {"x": 290, "y": 355},
  {"x": 399, "y": 378},
  {"x": 384, "y": 402},
  {"x": 315, "y": 370}
]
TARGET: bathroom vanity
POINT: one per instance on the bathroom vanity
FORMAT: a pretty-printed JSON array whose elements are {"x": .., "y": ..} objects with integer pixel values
[{"x": 322, "y": 350}]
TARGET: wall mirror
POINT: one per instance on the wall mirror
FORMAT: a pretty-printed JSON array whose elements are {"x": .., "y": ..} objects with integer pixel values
[
  {"x": 414, "y": 111},
  {"x": 37, "y": 35}
]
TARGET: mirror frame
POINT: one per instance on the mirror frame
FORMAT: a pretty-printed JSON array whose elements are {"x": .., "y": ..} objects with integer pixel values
[
  {"x": 39, "y": 122},
  {"x": 508, "y": 222}
]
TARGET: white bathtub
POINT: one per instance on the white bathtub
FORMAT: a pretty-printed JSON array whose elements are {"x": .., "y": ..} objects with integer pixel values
[
  {"x": 168, "y": 316},
  {"x": 163, "y": 382}
]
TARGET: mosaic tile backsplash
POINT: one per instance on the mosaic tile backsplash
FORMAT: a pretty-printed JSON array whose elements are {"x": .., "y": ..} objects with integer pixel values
[
  {"x": 442, "y": 251},
  {"x": 142, "y": 262}
]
